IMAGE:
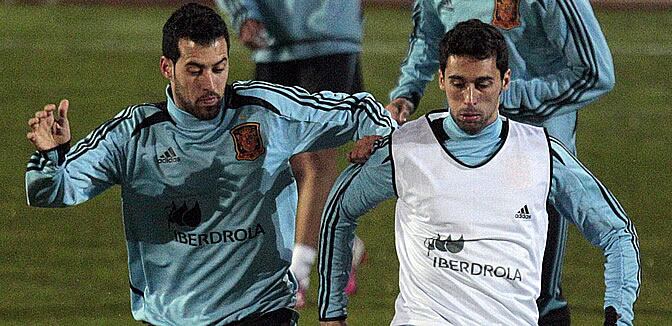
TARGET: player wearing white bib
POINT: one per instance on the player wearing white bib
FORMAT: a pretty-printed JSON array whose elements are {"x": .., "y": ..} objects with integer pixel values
[
  {"x": 472, "y": 192},
  {"x": 465, "y": 243},
  {"x": 208, "y": 195},
  {"x": 560, "y": 62}
]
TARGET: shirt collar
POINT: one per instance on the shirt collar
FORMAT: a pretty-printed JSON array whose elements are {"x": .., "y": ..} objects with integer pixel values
[{"x": 454, "y": 132}]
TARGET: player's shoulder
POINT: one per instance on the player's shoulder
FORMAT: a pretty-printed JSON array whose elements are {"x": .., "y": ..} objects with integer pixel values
[
  {"x": 290, "y": 102},
  {"x": 245, "y": 89},
  {"x": 136, "y": 113},
  {"x": 560, "y": 152},
  {"x": 132, "y": 119},
  {"x": 140, "y": 111},
  {"x": 262, "y": 95}
]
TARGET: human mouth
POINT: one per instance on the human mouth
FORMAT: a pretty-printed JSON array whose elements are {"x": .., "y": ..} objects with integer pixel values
[
  {"x": 470, "y": 116},
  {"x": 208, "y": 100}
]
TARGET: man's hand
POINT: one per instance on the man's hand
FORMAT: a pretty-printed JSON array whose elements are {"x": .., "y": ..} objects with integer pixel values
[
  {"x": 610, "y": 316},
  {"x": 48, "y": 131},
  {"x": 362, "y": 150},
  {"x": 401, "y": 109},
  {"x": 334, "y": 323},
  {"x": 252, "y": 34}
]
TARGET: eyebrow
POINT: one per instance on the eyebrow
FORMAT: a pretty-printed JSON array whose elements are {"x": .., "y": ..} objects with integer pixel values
[
  {"x": 201, "y": 66},
  {"x": 478, "y": 79}
]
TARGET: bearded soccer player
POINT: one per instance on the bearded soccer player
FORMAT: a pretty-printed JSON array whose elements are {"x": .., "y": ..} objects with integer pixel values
[
  {"x": 208, "y": 195},
  {"x": 473, "y": 189}
]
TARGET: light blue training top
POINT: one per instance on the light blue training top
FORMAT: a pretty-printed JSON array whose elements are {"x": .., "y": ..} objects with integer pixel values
[{"x": 208, "y": 206}]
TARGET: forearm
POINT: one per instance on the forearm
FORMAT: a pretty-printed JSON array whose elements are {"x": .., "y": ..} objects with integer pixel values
[
  {"x": 562, "y": 92},
  {"x": 369, "y": 118},
  {"x": 582, "y": 198},
  {"x": 621, "y": 273},
  {"x": 357, "y": 190},
  {"x": 42, "y": 188},
  {"x": 59, "y": 178},
  {"x": 422, "y": 61},
  {"x": 553, "y": 95},
  {"x": 46, "y": 181}
]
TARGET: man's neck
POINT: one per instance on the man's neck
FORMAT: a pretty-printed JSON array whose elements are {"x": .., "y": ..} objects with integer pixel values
[{"x": 454, "y": 132}]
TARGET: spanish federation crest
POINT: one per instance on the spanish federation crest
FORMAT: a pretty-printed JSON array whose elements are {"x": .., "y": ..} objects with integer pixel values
[
  {"x": 248, "y": 142},
  {"x": 506, "y": 15}
]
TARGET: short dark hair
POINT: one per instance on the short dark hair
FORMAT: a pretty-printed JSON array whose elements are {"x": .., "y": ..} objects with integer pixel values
[
  {"x": 195, "y": 22},
  {"x": 476, "y": 39}
]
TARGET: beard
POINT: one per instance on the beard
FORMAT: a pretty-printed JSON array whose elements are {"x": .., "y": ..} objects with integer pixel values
[{"x": 201, "y": 112}]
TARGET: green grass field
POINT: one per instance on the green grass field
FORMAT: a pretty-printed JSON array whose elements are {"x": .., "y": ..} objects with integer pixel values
[{"x": 68, "y": 266}]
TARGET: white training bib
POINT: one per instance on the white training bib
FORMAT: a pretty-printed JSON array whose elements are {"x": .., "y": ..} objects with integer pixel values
[{"x": 470, "y": 239}]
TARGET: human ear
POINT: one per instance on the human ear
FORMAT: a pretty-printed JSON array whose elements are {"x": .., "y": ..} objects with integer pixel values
[
  {"x": 166, "y": 66},
  {"x": 441, "y": 81},
  {"x": 506, "y": 80}
]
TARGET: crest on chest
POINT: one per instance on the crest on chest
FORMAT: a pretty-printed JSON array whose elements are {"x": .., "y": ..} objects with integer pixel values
[
  {"x": 506, "y": 14},
  {"x": 248, "y": 142}
]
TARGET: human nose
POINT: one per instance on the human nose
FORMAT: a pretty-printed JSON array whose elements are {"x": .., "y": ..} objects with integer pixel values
[
  {"x": 208, "y": 80},
  {"x": 470, "y": 95}
]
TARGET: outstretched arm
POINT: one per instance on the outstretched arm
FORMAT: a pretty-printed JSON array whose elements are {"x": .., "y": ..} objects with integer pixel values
[
  {"x": 573, "y": 31},
  {"x": 358, "y": 189},
  {"x": 320, "y": 120},
  {"x": 57, "y": 176},
  {"x": 579, "y": 196}
]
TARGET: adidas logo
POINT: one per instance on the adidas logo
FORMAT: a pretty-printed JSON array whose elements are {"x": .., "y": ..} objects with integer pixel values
[
  {"x": 168, "y": 156},
  {"x": 524, "y": 213}
]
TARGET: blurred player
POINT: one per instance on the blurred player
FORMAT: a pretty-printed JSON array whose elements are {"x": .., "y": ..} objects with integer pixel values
[
  {"x": 208, "y": 196},
  {"x": 314, "y": 44},
  {"x": 473, "y": 190},
  {"x": 559, "y": 62}
]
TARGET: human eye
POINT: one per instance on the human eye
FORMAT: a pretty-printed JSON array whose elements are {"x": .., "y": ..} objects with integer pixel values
[
  {"x": 194, "y": 72},
  {"x": 483, "y": 84},
  {"x": 457, "y": 84}
]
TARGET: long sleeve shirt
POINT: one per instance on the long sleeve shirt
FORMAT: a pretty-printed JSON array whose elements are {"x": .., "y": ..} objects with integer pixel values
[
  {"x": 208, "y": 206},
  {"x": 558, "y": 56},
  {"x": 575, "y": 193},
  {"x": 300, "y": 29}
]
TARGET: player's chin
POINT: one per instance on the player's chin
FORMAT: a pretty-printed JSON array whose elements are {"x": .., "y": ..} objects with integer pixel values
[
  {"x": 208, "y": 112},
  {"x": 471, "y": 127}
]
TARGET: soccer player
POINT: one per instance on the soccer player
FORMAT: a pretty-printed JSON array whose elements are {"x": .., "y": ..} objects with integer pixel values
[
  {"x": 471, "y": 216},
  {"x": 208, "y": 196},
  {"x": 559, "y": 63},
  {"x": 313, "y": 44}
]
